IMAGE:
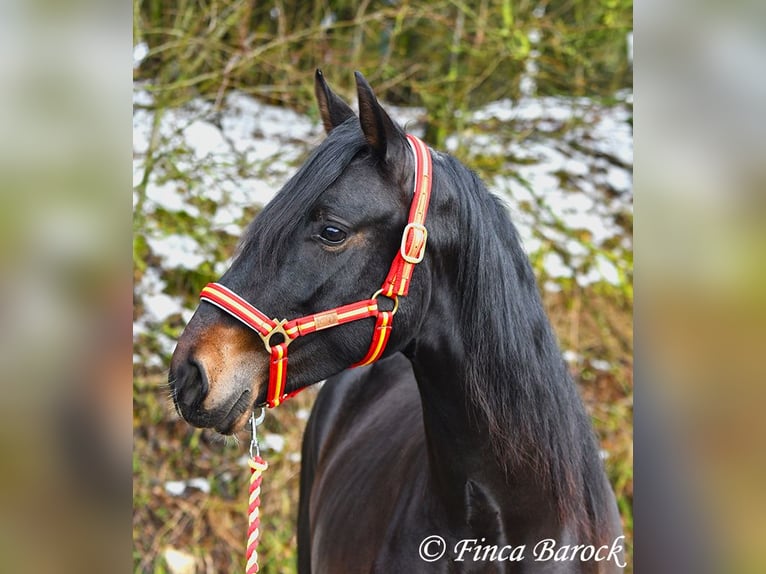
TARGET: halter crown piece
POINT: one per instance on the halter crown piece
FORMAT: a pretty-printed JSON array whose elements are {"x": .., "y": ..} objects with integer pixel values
[{"x": 396, "y": 284}]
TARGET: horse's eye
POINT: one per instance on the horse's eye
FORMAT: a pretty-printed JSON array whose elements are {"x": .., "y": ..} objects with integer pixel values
[{"x": 332, "y": 235}]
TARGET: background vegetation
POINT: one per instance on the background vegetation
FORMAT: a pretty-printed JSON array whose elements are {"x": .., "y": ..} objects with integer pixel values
[
  {"x": 444, "y": 59},
  {"x": 447, "y": 55}
]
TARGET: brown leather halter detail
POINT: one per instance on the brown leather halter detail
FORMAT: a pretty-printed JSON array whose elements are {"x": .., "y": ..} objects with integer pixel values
[{"x": 396, "y": 285}]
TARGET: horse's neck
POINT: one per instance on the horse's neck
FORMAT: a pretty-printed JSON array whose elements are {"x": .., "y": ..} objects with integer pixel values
[{"x": 467, "y": 477}]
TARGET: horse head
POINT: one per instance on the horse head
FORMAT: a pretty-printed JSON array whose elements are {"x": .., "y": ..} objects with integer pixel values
[{"x": 327, "y": 239}]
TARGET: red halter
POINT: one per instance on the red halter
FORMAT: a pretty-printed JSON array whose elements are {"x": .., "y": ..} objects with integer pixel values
[{"x": 397, "y": 284}]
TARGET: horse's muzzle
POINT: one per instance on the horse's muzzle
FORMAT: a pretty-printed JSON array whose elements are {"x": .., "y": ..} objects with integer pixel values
[
  {"x": 189, "y": 385},
  {"x": 215, "y": 375}
]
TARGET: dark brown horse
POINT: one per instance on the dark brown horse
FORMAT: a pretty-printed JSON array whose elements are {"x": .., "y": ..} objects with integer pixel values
[{"x": 466, "y": 447}]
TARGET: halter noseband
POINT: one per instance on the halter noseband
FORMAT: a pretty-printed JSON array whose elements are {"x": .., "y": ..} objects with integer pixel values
[{"x": 397, "y": 284}]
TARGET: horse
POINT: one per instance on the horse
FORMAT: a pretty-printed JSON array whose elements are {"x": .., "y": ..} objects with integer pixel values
[{"x": 464, "y": 447}]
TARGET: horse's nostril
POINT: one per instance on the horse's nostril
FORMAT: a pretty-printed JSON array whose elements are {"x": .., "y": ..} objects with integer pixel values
[
  {"x": 192, "y": 384},
  {"x": 202, "y": 377}
]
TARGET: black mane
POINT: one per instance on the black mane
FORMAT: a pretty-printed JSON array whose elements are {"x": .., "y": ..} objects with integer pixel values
[{"x": 518, "y": 380}]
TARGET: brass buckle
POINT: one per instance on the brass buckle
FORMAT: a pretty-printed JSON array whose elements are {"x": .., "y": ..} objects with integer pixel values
[
  {"x": 417, "y": 258},
  {"x": 395, "y": 299},
  {"x": 278, "y": 329}
]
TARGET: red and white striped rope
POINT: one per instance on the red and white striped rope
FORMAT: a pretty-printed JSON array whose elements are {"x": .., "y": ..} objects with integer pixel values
[{"x": 257, "y": 466}]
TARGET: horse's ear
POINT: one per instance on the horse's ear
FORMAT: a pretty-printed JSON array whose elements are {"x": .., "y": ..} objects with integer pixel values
[
  {"x": 386, "y": 139},
  {"x": 332, "y": 109}
]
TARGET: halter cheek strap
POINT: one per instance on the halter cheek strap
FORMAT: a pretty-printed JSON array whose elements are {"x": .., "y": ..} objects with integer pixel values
[{"x": 396, "y": 284}]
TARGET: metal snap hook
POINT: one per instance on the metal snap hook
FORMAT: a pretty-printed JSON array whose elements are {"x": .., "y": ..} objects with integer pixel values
[{"x": 254, "y": 422}]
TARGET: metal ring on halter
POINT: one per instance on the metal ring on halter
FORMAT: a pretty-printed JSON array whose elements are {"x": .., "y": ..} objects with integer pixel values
[
  {"x": 394, "y": 298},
  {"x": 254, "y": 422}
]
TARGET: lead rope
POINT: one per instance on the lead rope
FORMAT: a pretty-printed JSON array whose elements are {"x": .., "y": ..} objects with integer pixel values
[{"x": 257, "y": 466}]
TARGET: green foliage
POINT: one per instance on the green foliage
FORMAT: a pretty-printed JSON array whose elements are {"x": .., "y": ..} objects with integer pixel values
[{"x": 447, "y": 55}]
